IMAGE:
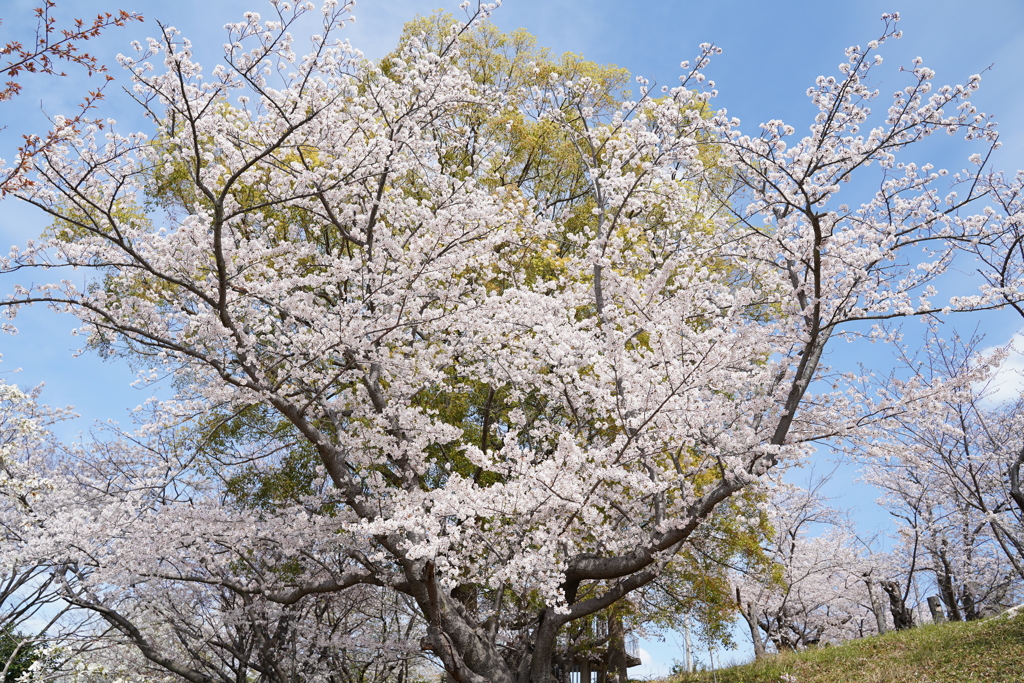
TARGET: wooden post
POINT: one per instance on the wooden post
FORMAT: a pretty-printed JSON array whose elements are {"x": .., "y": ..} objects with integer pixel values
[
  {"x": 935, "y": 607},
  {"x": 584, "y": 661}
]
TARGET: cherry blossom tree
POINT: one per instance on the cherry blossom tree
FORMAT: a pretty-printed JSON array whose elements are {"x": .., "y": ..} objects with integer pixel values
[
  {"x": 361, "y": 635},
  {"x": 999, "y": 251},
  {"x": 813, "y": 589},
  {"x": 36, "y": 623},
  {"x": 352, "y": 249},
  {"x": 946, "y": 473}
]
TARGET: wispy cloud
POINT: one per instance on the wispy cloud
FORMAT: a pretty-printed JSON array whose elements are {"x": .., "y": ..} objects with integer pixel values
[{"x": 1008, "y": 382}]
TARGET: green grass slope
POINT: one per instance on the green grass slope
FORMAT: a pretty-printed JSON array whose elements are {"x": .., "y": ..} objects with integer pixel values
[{"x": 991, "y": 651}]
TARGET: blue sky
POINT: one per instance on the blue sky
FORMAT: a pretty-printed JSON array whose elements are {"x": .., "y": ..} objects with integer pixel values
[{"x": 772, "y": 53}]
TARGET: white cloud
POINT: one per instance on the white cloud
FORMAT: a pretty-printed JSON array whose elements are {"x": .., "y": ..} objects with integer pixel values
[{"x": 1008, "y": 381}]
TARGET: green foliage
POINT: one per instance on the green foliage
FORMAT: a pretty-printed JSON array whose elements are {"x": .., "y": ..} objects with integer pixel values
[
  {"x": 279, "y": 469},
  {"x": 17, "y": 652},
  {"x": 540, "y": 158},
  {"x": 696, "y": 582}
]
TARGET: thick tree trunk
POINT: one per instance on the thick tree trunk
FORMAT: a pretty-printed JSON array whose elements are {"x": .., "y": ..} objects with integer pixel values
[
  {"x": 784, "y": 644},
  {"x": 948, "y": 594},
  {"x": 902, "y": 617},
  {"x": 1016, "y": 487}
]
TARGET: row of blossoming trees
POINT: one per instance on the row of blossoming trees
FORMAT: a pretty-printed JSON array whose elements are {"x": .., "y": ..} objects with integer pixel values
[
  {"x": 949, "y": 476},
  {"x": 949, "y": 558},
  {"x": 471, "y": 346}
]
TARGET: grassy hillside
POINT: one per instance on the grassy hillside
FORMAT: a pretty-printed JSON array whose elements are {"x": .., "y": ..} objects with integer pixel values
[{"x": 991, "y": 651}]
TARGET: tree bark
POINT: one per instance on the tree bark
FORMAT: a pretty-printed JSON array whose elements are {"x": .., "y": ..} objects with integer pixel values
[
  {"x": 616, "y": 666},
  {"x": 970, "y": 606},
  {"x": 751, "y": 618},
  {"x": 902, "y": 617},
  {"x": 1016, "y": 489},
  {"x": 689, "y": 647},
  {"x": 944, "y": 579},
  {"x": 876, "y": 607}
]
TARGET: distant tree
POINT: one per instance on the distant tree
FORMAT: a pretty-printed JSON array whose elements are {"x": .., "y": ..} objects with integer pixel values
[{"x": 812, "y": 590}]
